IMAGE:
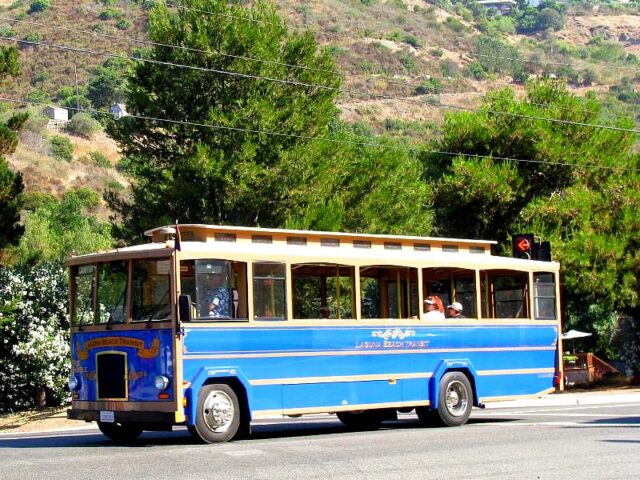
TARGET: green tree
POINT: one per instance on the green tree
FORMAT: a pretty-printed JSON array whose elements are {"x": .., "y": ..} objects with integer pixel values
[
  {"x": 56, "y": 228},
  {"x": 550, "y": 18},
  {"x": 577, "y": 187},
  {"x": 353, "y": 186},
  {"x": 108, "y": 84},
  {"x": 11, "y": 185},
  {"x": 222, "y": 175}
]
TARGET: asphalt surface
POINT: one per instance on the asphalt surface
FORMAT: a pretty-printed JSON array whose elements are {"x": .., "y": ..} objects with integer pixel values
[{"x": 585, "y": 435}]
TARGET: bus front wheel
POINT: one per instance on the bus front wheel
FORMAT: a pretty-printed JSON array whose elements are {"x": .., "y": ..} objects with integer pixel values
[
  {"x": 120, "y": 432},
  {"x": 217, "y": 415}
]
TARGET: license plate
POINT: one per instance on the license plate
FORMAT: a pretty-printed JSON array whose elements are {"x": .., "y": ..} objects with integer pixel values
[{"x": 107, "y": 417}]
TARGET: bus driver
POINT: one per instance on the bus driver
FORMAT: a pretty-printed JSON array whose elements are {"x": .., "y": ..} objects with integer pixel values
[{"x": 216, "y": 298}]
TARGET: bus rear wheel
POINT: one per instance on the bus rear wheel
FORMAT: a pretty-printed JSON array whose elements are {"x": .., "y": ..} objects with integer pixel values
[
  {"x": 120, "y": 432},
  {"x": 217, "y": 414},
  {"x": 455, "y": 400},
  {"x": 363, "y": 420}
]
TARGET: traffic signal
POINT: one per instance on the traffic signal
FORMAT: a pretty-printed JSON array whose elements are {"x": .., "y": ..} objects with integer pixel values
[{"x": 524, "y": 246}]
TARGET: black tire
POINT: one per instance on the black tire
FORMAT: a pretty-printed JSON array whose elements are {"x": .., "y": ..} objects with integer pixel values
[
  {"x": 217, "y": 415},
  {"x": 362, "y": 420},
  {"x": 455, "y": 400},
  {"x": 120, "y": 432}
]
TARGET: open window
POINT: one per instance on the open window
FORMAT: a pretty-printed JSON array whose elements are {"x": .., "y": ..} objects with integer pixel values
[
  {"x": 218, "y": 288},
  {"x": 505, "y": 294},
  {"x": 269, "y": 291},
  {"x": 323, "y": 291},
  {"x": 389, "y": 292},
  {"x": 452, "y": 285}
]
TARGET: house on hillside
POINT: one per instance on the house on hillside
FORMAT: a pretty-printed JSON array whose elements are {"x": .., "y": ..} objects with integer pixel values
[
  {"x": 118, "y": 110},
  {"x": 502, "y": 6},
  {"x": 57, "y": 114}
]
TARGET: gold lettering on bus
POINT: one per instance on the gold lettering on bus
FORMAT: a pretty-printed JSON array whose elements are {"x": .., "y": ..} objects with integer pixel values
[{"x": 138, "y": 344}]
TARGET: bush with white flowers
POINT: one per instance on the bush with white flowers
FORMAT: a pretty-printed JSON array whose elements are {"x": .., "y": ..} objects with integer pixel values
[{"x": 34, "y": 333}]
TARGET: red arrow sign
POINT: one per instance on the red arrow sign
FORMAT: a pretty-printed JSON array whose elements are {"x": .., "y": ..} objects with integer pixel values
[{"x": 523, "y": 245}]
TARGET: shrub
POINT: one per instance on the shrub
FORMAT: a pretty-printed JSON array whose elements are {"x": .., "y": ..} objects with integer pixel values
[
  {"x": 476, "y": 71},
  {"x": 38, "y": 96},
  {"x": 430, "y": 85},
  {"x": 109, "y": 14},
  {"x": 34, "y": 322},
  {"x": 61, "y": 148},
  {"x": 455, "y": 24},
  {"x": 33, "y": 37},
  {"x": 549, "y": 18},
  {"x": 100, "y": 160},
  {"x": 124, "y": 24},
  {"x": 412, "y": 40},
  {"x": 83, "y": 125},
  {"x": 39, "y": 6}
]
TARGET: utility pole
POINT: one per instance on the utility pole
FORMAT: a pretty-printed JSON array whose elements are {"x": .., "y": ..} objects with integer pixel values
[{"x": 75, "y": 70}]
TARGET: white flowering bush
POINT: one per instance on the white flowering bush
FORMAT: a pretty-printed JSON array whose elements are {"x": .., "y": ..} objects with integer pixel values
[{"x": 34, "y": 332}]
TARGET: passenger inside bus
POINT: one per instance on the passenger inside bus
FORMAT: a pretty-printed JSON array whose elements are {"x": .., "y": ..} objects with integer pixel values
[{"x": 434, "y": 308}]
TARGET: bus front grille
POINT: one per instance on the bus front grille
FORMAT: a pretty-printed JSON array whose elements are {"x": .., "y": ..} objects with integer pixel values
[{"x": 112, "y": 375}]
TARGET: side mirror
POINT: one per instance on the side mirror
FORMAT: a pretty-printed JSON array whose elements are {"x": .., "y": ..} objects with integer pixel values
[{"x": 184, "y": 308}]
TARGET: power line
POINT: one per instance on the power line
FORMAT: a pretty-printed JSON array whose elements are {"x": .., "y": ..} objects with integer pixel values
[
  {"x": 249, "y": 19},
  {"x": 167, "y": 45},
  {"x": 322, "y": 87},
  {"x": 197, "y": 50},
  {"x": 326, "y": 139},
  {"x": 253, "y": 59}
]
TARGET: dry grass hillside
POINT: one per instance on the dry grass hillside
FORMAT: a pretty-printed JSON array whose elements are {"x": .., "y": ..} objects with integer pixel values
[{"x": 386, "y": 47}]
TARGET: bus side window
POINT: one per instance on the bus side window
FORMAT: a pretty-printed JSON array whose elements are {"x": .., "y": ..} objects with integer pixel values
[{"x": 269, "y": 291}]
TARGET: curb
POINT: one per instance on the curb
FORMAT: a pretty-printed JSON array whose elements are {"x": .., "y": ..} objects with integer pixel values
[{"x": 570, "y": 399}]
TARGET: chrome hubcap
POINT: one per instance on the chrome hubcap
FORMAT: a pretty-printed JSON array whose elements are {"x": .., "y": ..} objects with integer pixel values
[
  {"x": 456, "y": 399},
  {"x": 218, "y": 411}
]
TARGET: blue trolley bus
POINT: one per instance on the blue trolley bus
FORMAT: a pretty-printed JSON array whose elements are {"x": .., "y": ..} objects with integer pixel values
[{"x": 234, "y": 324}]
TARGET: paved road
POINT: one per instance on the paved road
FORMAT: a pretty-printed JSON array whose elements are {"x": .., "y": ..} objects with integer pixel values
[{"x": 534, "y": 442}]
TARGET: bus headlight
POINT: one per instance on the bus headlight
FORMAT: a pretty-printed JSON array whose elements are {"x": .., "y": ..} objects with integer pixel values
[
  {"x": 74, "y": 383},
  {"x": 161, "y": 382}
]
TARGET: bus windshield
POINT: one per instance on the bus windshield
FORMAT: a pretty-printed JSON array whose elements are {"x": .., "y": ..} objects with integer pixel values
[{"x": 121, "y": 291}]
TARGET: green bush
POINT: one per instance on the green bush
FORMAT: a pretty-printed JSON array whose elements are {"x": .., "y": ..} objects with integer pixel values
[
  {"x": 430, "y": 85},
  {"x": 100, "y": 160},
  {"x": 33, "y": 37},
  {"x": 83, "y": 125},
  {"x": 124, "y": 24},
  {"x": 7, "y": 31},
  {"x": 39, "y": 6},
  {"x": 549, "y": 18},
  {"x": 412, "y": 40},
  {"x": 475, "y": 70},
  {"x": 109, "y": 14},
  {"x": 61, "y": 148},
  {"x": 455, "y": 24},
  {"x": 38, "y": 96}
]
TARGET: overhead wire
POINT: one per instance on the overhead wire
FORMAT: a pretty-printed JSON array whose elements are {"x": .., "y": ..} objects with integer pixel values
[
  {"x": 249, "y": 19},
  {"x": 240, "y": 57},
  {"x": 125, "y": 38},
  {"x": 323, "y": 87},
  {"x": 326, "y": 139}
]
